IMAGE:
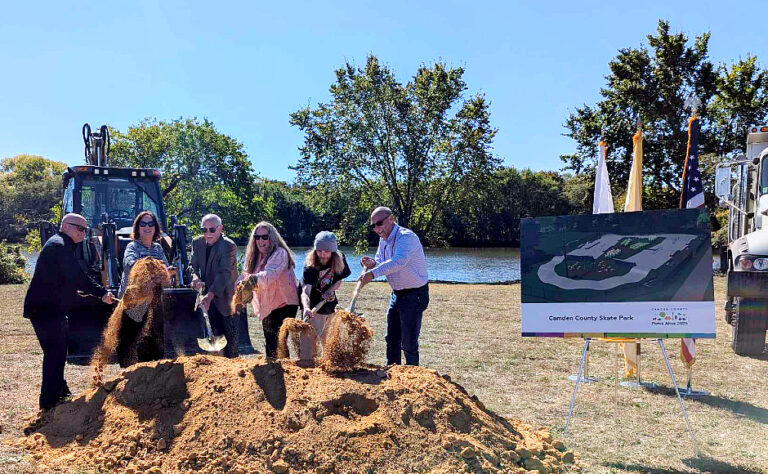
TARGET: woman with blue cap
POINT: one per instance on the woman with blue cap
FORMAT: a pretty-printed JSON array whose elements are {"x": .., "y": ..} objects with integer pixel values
[{"x": 324, "y": 270}]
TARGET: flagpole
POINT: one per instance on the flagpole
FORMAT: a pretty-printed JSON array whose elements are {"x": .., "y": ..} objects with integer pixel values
[{"x": 687, "y": 354}]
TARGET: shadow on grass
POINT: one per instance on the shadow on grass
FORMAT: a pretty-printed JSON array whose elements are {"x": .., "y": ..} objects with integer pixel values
[
  {"x": 699, "y": 464},
  {"x": 753, "y": 412}
]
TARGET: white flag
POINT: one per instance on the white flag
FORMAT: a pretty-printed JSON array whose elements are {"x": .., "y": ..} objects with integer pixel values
[{"x": 603, "y": 201}]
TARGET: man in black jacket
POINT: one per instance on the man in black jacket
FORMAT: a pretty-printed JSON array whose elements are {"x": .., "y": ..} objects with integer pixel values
[{"x": 51, "y": 293}]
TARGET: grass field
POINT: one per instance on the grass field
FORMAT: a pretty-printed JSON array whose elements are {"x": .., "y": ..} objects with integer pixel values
[{"x": 472, "y": 333}]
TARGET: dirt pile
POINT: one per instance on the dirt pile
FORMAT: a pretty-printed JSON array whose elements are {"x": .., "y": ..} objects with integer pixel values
[{"x": 211, "y": 414}]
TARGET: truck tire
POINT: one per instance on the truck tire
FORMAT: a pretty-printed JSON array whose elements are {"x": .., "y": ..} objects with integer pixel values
[{"x": 749, "y": 326}]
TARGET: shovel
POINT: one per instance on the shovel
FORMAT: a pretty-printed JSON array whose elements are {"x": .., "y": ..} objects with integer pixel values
[
  {"x": 211, "y": 343},
  {"x": 297, "y": 329},
  {"x": 355, "y": 293}
]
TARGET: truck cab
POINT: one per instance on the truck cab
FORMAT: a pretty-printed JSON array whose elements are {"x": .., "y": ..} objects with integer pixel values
[{"x": 742, "y": 186}]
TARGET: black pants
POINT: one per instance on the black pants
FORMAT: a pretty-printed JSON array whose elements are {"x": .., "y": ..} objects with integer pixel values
[
  {"x": 271, "y": 325},
  {"x": 53, "y": 335},
  {"x": 406, "y": 308},
  {"x": 223, "y": 324}
]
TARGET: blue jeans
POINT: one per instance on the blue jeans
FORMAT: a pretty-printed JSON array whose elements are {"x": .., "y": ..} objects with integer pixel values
[{"x": 404, "y": 324}]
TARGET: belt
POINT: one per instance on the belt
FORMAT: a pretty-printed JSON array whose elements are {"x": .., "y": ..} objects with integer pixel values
[{"x": 406, "y": 291}]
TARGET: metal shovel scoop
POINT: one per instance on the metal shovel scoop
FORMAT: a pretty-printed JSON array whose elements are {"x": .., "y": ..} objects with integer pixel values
[{"x": 211, "y": 343}]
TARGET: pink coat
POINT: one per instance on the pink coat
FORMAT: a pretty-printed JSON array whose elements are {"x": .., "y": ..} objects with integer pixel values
[{"x": 277, "y": 284}]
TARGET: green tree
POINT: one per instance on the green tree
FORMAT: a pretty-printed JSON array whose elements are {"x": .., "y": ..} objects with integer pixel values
[
  {"x": 30, "y": 189},
  {"x": 741, "y": 102},
  {"x": 491, "y": 213},
  {"x": 412, "y": 146},
  {"x": 652, "y": 82},
  {"x": 203, "y": 171}
]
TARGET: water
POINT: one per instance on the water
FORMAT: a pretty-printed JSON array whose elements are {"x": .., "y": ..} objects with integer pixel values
[{"x": 464, "y": 265}]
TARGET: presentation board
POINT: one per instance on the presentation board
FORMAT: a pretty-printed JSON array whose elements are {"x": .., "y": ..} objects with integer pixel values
[{"x": 632, "y": 274}]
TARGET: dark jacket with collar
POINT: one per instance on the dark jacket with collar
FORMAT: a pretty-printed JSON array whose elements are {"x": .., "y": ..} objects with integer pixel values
[
  {"x": 57, "y": 278},
  {"x": 219, "y": 272}
]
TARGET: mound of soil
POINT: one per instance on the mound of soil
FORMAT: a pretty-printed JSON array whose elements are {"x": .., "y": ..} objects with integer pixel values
[{"x": 211, "y": 414}]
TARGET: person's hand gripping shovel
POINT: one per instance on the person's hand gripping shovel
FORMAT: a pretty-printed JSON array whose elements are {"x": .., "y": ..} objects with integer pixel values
[{"x": 210, "y": 343}]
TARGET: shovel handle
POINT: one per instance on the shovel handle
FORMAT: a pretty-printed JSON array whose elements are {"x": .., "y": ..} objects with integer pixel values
[
  {"x": 314, "y": 310},
  {"x": 356, "y": 292}
]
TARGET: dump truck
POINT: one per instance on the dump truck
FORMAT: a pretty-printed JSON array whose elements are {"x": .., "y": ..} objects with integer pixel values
[
  {"x": 741, "y": 184},
  {"x": 110, "y": 198}
]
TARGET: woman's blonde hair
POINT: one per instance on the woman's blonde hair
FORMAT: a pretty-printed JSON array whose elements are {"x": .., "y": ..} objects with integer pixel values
[
  {"x": 275, "y": 241},
  {"x": 313, "y": 261}
]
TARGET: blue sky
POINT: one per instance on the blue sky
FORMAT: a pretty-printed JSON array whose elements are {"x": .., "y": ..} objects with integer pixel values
[{"x": 247, "y": 65}]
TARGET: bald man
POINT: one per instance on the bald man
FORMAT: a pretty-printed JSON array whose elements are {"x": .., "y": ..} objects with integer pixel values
[
  {"x": 51, "y": 292},
  {"x": 400, "y": 258}
]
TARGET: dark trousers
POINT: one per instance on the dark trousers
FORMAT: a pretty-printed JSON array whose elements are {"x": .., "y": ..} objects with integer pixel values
[
  {"x": 224, "y": 324},
  {"x": 271, "y": 325},
  {"x": 53, "y": 335},
  {"x": 404, "y": 324}
]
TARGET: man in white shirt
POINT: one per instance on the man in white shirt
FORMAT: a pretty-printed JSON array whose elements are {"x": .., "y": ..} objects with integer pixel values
[{"x": 400, "y": 258}]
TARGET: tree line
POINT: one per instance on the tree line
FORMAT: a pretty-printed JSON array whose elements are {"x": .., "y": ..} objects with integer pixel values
[{"x": 424, "y": 147}]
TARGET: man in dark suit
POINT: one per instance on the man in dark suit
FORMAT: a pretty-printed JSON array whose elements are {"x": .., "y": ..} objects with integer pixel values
[
  {"x": 51, "y": 293},
  {"x": 213, "y": 264}
]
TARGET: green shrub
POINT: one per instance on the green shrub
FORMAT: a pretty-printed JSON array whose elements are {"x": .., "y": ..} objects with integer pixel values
[{"x": 12, "y": 264}]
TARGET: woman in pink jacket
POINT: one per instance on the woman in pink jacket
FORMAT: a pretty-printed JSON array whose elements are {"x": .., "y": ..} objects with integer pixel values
[{"x": 269, "y": 262}]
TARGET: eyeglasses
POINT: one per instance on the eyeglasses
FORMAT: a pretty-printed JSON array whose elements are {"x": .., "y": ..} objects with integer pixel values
[
  {"x": 146, "y": 223},
  {"x": 208, "y": 229},
  {"x": 79, "y": 227},
  {"x": 262, "y": 237},
  {"x": 378, "y": 223}
]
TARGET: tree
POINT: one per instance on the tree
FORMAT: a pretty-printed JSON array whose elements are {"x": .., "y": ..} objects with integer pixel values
[
  {"x": 203, "y": 171},
  {"x": 741, "y": 102},
  {"x": 652, "y": 84},
  {"x": 491, "y": 212},
  {"x": 382, "y": 142},
  {"x": 30, "y": 189}
]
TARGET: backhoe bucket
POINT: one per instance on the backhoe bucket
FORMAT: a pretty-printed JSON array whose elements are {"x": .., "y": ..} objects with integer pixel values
[
  {"x": 87, "y": 320},
  {"x": 184, "y": 325}
]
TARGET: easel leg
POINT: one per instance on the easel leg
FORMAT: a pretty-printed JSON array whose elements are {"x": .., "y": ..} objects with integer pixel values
[
  {"x": 576, "y": 385},
  {"x": 679, "y": 398}
]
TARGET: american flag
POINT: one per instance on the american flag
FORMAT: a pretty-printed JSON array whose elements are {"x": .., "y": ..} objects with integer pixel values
[
  {"x": 692, "y": 196},
  {"x": 693, "y": 189}
]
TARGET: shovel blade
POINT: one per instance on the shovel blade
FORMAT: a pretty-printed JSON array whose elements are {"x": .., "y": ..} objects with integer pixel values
[{"x": 212, "y": 344}]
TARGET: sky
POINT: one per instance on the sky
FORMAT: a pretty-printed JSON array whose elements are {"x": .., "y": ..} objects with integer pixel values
[{"x": 247, "y": 65}]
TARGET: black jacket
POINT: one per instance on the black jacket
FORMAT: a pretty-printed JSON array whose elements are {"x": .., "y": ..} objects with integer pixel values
[{"x": 57, "y": 278}]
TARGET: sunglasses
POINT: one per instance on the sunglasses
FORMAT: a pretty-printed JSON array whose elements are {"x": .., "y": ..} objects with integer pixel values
[
  {"x": 262, "y": 237},
  {"x": 78, "y": 227},
  {"x": 146, "y": 223},
  {"x": 208, "y": 229},
  {"x": 378, "y": 223}
]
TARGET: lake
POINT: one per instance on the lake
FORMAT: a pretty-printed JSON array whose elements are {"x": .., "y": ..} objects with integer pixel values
[{"x": 463, "y": 265}]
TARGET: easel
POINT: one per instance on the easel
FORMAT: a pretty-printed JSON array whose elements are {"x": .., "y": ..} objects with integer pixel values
[
  {"x": 671, "y": 375},
  {"x": 586, "y": 378}
]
